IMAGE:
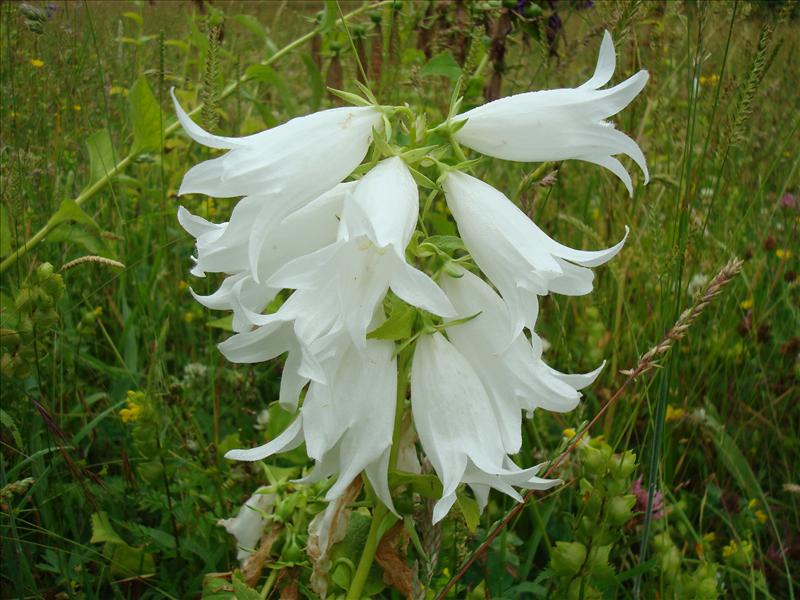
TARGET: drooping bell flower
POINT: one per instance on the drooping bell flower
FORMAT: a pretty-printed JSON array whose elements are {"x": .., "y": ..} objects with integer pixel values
[
  {"x": 458, "y": 428},
  {"x": 517, "y": 257},
  {"x": 515, "y": 377},
  {"x": 345, "y": 422},
  {"x": 560, "y": 124},
  {"x": 302, "y": 232},
  {"x": 280, "y": 169}
]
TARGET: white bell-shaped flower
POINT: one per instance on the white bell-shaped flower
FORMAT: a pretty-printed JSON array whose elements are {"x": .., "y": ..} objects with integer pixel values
[
  {"x": 249, "y": 523},
  {"x": 302, "y": 232},
  {"x": 514, "y": 376},
  {"x": 458, "y": 428},
  {"x": 279, "y": 170},
  {"x": 518, "y": 257},
  {"x": 560, "y": 124},
  {"x": 347, "y": 422},
  {"x": 278, "y": 162}
]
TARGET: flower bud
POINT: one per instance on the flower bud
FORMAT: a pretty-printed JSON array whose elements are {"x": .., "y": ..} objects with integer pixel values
[
  {"x": 567, "y": 558},
  {"x": 621, "y": 466},
  {"x": 593, "y": 461},
  {"x": 285, "y": 508},
  {"x": 618, "y": 509},
  {"x": 44, "y": 272}
]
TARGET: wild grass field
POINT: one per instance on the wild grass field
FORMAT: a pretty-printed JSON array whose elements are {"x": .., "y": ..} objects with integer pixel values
[{"x": 117, "y": 406}]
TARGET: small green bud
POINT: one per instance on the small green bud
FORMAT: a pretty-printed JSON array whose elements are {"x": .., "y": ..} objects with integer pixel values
[
  {"x": 24, "y": 300},
  {"x": 621, "y": 466},
  {"x": 567, "y": 558},
  {"x": 44, "y": 272},
  {"x": 671, "y": 562},
  {"x": 662, "y": 542},
  {"x": 54, "y": 287},
  {"x": 532, "y": 11},
  {"x": 593, "y": 461},
  {"x": 598, "y": 557},
  {"x": 285, "y": 508},
  {"x": 293, "y": 551},
  {"x": 619, "y": 509}
]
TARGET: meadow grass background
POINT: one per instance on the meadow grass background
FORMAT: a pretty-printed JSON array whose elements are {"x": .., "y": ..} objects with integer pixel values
[{"x": 718, "y": 123}]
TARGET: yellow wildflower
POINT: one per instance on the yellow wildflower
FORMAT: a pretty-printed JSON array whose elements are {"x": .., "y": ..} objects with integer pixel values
[
  {"x": 569, "y": 433},
  {"x": 783, "y": 254},
  {"x": 674, "y": 414},
  {"x": 131, "y": 413},
  {"x": 709, "y": 537},
  {"x": 117, "y": 90},
  {"x": 746, "y": 304},
  {"x": 37, "y": 63},
  {"x": 761, "y": 516},
  {"x": 752, "y": 503},
  {"x": 730, "y": 549},
  {"x": 76, "y": 107},
  {"x": 711, "y": 79}
]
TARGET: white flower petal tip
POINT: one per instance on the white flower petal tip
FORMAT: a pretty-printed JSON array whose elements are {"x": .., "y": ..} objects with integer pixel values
[
  {"x": 518, "y": 257},
  {"x": 561, "y": 124},
  {"x": 288, "y": 440}
]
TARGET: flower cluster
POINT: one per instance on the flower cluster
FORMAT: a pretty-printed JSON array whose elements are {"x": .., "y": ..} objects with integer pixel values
[{"x": 331, "y": 250}]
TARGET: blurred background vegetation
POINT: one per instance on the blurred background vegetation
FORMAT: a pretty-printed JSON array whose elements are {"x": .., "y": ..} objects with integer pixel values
[{"x": 117, "y": 407}]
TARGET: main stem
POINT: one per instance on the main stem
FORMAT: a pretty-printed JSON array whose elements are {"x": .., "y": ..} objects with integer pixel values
[
  {"x": 120, "y": 166},
  {"x": 380, "y": 511}
]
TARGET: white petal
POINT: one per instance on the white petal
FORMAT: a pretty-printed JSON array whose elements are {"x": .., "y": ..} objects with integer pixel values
[
  {"x": 384, "y": 206},
  {"x": 416, "y": 288},
  {"x": 290, "y": 439},
  {"x": 606, "y": 63}
]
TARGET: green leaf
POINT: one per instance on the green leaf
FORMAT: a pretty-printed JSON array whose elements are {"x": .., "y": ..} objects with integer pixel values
[
  {"x": 469, "y": 508},
  {"x": 145, "y": 116},
  {"x": 398, "y": 326},
  {"x": 315, "y": 83},
  {"x": 422, "y": 180},
  {"x": 128, "y": 561},
  {"x": 5, "y": 232},
  {"x": 330, "y": 14},
  {"x": 70, "y": 211},
  {"x": 72, "y": 234},
  {"x": 224, "y": 323},
  {"x": 350, "y": 97},
  {"x": 134, "y": 17},
  {"x": 443, "y": 64},
  {"x": 428, "y": 486},
  {"x": 10, "y": 425},
  {"x": 350, "y": 549},
  {"x": 446, "y": 243},
  {"x": 241, "y": 590},
  {"x": 103, "y": 530},
  {"x": 252, "y": 24},
  {"x": 101, "y": 154}
]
